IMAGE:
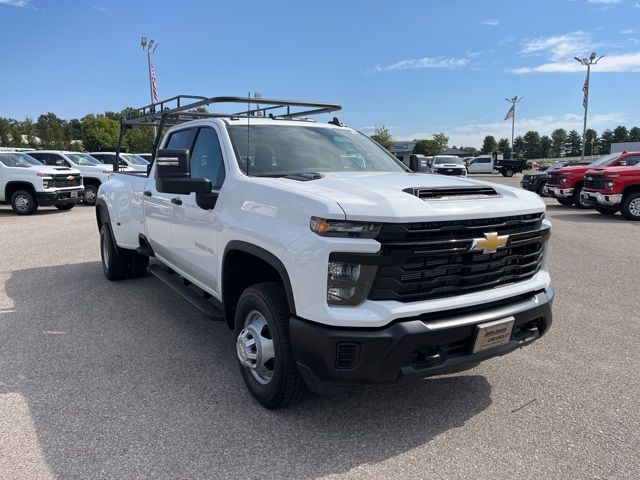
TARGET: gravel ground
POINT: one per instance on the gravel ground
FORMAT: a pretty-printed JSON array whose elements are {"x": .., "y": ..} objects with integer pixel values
[{"x": 126, "y": 380}]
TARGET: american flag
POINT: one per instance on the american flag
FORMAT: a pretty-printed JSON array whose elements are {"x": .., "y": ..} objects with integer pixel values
[
  {"x": 154, "y": 84},
  {"x": 510, "y": 112},
  {"x": 585, "y": 90}
]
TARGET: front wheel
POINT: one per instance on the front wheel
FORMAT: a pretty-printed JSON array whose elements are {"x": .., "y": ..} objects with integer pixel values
[
  {"x": 631, "y": 206},
  {"x": 578, "y": 201},
  {"x": 565, "y": 201},
  {"x": 23, "y": 202},
  {"x": 65, "y": 206},
  {"x": 540, "y": 190},
  {"x": 263, "y": 347},
  {"x": 607, "y": 210},
  {"x": 90, "y": 194}
]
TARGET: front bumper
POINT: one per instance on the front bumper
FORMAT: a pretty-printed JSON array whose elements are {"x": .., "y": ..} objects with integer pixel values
[
  {"x": 420, "y": 346},
  {"x": 597, "y": 198},
  {"x": 556, "y": 192},
  {"x": 60, "y": 197}
]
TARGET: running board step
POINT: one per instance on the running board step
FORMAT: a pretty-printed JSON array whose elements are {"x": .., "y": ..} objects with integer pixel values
[{"x": 175, "y": 282}]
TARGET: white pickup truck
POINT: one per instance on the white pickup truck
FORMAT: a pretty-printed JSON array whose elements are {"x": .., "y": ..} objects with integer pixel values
[
  {"x": 26, "y": 184},
  {"x": 332, "y": 263}
]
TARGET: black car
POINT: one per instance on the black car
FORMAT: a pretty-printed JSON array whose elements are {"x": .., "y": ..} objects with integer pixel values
[{"x": 535, "y": 181}]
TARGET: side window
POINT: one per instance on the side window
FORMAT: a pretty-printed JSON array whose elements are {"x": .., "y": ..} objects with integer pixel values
[
  {"x": 206, "y": 157},
  {"x": 484, "y": 160},
  {"x": 181, "y": 139},
  {"x": 632, "y": 160}
]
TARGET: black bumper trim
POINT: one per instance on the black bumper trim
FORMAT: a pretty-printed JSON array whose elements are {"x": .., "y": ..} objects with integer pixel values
[
  {"x": 46, "y": 199},
  {"x": 413, "y": 347}
]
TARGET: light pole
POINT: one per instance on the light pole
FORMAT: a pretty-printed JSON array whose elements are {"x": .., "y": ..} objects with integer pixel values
[
  {"x": 512, "y": 113},
  {"x": 150, "y": 47},
  {"x": 587, "y": 62}
]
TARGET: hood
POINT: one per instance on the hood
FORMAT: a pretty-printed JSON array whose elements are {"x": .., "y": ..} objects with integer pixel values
[
  {"x": 573, "y": 169},
  {"x": 98, "y": 168},
  {"x": 380, "y": 197},
  {"x": 51, "y": 170},
  {"x": 629, "y": 170}
]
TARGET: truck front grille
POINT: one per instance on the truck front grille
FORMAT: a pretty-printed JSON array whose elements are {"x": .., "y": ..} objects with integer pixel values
[
  {"x": 64, "y": 182},
  {"x": 553, "y": 179},
  {"x": 458, "y": 172},
  {"x": 594, "y": 182},
  {"x": 431, "y": 260}
]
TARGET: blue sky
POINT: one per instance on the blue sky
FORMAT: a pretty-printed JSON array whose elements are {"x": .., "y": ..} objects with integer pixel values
[{"x": 418, "y": 67}]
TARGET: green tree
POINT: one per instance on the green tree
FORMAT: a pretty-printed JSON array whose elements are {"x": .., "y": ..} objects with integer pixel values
[
  {"x": 382, "y": 135},
  {"x": 634, "y": 134},
  {"x": 489, "y": 145},
  {"x": 471, "y": 150},
  {"x": 425, "y": 147},
  {"x": 139, "y": 139},
  {"x": 518, "y": 147},
  {"x": 441, "y": 142},
  {"x": 573, "y": 144},
  {"x": 50, "y": 130},
  {"x": 99, "y": 132},
  {"x": 558, "y": 140},
  {"x": 620, "y": 134},
  {"x": 591, "y": 144},
  {"x": 504, "y": 147},
  {"x": 5, "y": 132},
  {"x": 545, "y": 146},
  {"x": 28, "y": 128},
  {"x": 606, "y": 139},
  {"x": 531, "y": 145}
]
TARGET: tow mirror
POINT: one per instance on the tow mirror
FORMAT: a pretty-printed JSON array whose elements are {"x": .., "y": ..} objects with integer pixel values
[
  {"x": 172, "y": 163},
  {"x": 183, "y": 186}
]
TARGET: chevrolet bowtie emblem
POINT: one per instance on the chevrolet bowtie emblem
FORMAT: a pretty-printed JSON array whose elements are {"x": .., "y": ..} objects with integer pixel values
[
  {"x": 70, "y": 177},
  {"x": 490, "y": 243}
]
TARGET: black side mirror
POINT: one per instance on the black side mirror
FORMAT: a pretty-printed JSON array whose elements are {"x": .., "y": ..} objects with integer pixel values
[
  {"x": 172, "y": 163},
  {"x": 183, "y": 186}
]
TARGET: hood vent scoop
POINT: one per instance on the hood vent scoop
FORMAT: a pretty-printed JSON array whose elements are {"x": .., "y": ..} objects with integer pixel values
[{"x": 453, "y": 193}]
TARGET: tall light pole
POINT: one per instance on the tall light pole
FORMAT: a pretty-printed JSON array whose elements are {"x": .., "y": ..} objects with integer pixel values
[
  {"x": 512, "y": 113},
  {"x": 587, "y": 62},
  {"x": 150, "y": 46}
]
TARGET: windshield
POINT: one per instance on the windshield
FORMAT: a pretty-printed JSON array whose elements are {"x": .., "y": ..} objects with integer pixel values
[
  {"x": 83, "y": 159},
  {"x": 284, "y": 150},
  {"x": 134, "y": 159},
  {"x": 441, "y": 160},
  {"x": 606, "y": 160},
  {"x": 18, "y": 160}
]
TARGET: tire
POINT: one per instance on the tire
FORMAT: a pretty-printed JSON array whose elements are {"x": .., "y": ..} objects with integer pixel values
[
  {"x": 65, "y": 206},
  {"x": 540, "y": 190},
  {"x": 23, "y": 202},
  {"x": 578, "y": 201},
  {"x": 507, "y": 172},
  {"x": 607, "y": 210},
  {"x": 565, "y": 201},
  {"x": 90, "y": 194},
  {"x": 119, "y": 263},
  {"x": 262, "y": 313},
  {"x": 631, "y": 206}
]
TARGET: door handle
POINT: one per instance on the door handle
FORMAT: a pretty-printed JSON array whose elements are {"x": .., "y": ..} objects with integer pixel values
[
  {"x": 147, "y": 193},
  {"x": 176, "y": 201}
]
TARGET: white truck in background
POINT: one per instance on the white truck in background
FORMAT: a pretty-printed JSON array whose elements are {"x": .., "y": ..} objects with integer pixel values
[
  {"x": 27, "y": 184},
  {"x": 94, "y": 173},
  {"x": 127, "y": 161},
  {"x": 330, "y": 261}
]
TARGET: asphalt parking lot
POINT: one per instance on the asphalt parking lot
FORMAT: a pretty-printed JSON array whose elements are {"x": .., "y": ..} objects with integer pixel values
[{"x": 126, "y": 380}]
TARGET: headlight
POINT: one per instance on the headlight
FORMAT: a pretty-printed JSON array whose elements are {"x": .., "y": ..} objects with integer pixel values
[
  {"x": 45, "y": 184},
  {"x": 608, "y": 185},
  {"x": 563, "y": 180},
  {"x": 348, "y": 284},
  {"x": 341, "y": 228}
]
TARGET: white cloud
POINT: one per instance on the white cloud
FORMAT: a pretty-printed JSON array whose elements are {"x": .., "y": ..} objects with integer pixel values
[
  {"x": 100, "y": 9},
  {"x": 448, "y": 63},
  {"x": 492, "y": 22},
  {"x": 607, "y": 2},
  {"x": 627, "y": 31},
  {"x": 559, "y": 46},
  {"x": 625, "y": 62},
  {"x": 473, "y": 134},
  {"x": 15, "y": 3}
]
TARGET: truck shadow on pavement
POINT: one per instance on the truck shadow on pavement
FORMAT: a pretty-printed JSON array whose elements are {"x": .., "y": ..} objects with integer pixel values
[{"x": 126, "y": 380}]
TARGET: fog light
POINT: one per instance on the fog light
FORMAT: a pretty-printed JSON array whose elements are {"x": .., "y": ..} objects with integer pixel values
[{"x": 348, "y": 283}]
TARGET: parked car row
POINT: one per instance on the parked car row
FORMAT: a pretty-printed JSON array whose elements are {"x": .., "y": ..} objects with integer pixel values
[
  {"x": 452, "y": 165},
  {"x": 611, "y": 184},
  {"x": 29, "y": 179}
]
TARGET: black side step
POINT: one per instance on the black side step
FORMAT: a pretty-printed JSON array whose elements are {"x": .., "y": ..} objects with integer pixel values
[{"x": 175, "y": 282}]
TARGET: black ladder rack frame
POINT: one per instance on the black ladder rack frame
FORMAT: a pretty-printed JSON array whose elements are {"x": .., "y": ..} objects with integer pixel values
[{"x": 180, "y": 108}]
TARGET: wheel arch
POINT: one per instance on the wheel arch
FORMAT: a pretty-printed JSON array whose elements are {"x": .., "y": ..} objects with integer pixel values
[
  {"x": 630, "y": 189},
  {"x": 265, "y": 267},
  {"x": 13, "y": 186}
]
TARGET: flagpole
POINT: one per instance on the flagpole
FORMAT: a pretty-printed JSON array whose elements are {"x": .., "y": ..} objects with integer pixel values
[
  {"x": 513, "y": 101},
  {"x": 587, "y": 62}
]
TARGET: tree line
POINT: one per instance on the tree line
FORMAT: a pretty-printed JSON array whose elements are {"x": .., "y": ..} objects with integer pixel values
[
  {"x": 91, "y": 132},
  {"x": 529, "y": 146}
]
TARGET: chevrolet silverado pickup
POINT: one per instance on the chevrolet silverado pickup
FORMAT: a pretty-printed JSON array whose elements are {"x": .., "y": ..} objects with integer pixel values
[
  {"x": 332, "y": 263},
  {"x": 613, "y": 189},
  {"x": 565, "y": 184},
  {"x": 27, "y": 184}
]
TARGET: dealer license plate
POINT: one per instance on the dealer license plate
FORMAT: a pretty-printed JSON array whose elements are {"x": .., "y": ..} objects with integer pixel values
[
  {"x": 74, "y": 194},
  {"x": 493, "y": 334}
]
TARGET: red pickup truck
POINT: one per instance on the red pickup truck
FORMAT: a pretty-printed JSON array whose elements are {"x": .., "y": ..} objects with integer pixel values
[
  {"x": 615, "y": 188},
  {"x": 565, "y": 184}
]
